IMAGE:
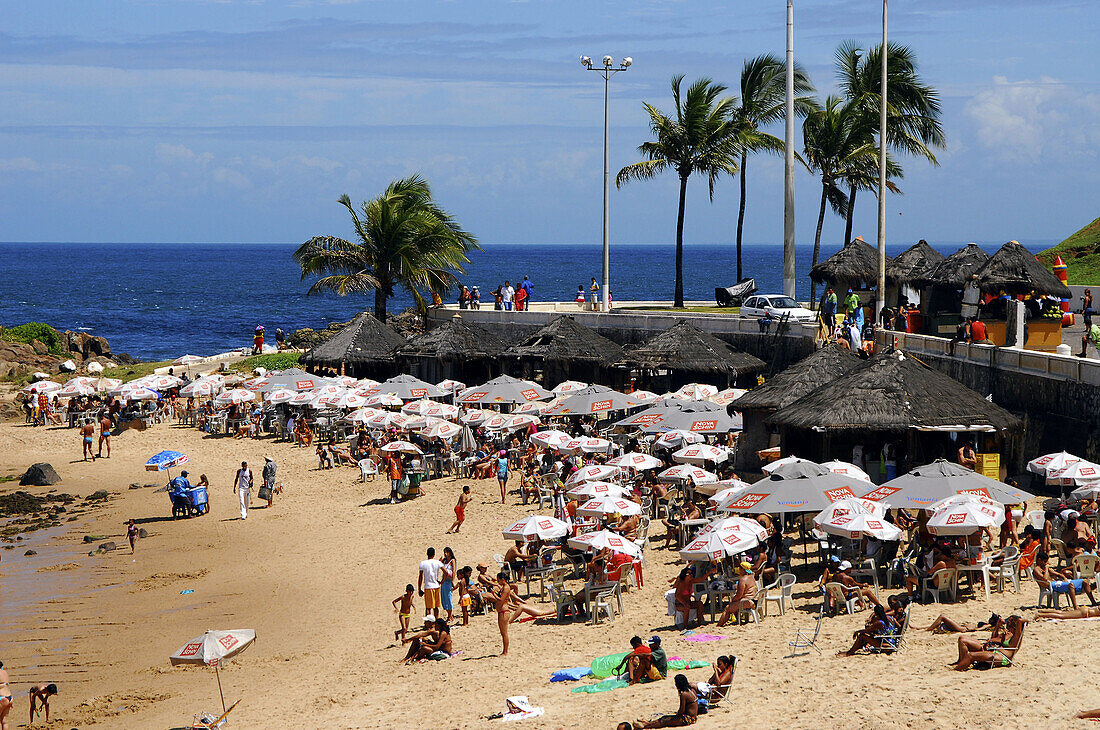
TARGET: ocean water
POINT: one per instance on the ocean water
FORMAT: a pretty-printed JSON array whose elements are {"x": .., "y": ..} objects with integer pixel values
[{"x": 159, "y": 301}]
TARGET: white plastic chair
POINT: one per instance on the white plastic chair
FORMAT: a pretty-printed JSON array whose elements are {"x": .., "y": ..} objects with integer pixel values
[
  {"x": 1050, "y": 595},
  {"x": 1086, "y": 565},
  {"x": 944, "y": 580},
  {"x": 784, "y": 585},
  {"x": 1036, "y": 517},
  {"x": 840, "y": 596},
  {"x": 1009, "y": 568},
  {"x": 367, "y": 468},
  {"x": 602, "y": 602}
]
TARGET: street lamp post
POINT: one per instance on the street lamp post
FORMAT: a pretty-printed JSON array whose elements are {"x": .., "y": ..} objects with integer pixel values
[
  {"x": 607, "y": 71},
  {"x": 788, "y": 163},
  {"x": 880, "y": 299}
]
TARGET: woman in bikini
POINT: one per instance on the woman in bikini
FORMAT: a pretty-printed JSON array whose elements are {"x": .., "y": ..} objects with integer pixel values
[
  {"x": 1082, "y": 612},
  {"x": 502, "y": 600},
  {"x": 997, "y": 653},
  {"x": 6, "y": 699},
  {"x": 944, "y": 625}
]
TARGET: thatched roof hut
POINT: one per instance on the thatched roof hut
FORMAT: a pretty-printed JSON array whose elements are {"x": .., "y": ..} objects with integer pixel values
[
  {"x": 802, "y": 378},
  {"x": 565, "y": 340},
  {"x": 363, "y": 347},
  {"x": 856, "y": 262},
  {"x": 954, "y": 271},
  {"x": 457, "y": 350},
  {"x": 912, "y": 263},
  {"x": 894, "y": 394},
  {"x": 685, "y": 350},
  {"x": 1015, "y": 270}
]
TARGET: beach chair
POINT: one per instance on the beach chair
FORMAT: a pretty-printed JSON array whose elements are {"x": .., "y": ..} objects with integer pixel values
[
  {"x": 944, "y": 580},
  {"x": 206, "y": 721},
  {"x": 603, "y": 602},
  {"x": 1036, "y": 518},
  {"x": 1085, "y": 565},
  {"x": 1049, "y": 595},
  {"x": 1058, "y": 549},
  {"x": 720, "y": 692},
  {"x": 867, "y": 569},
  {"x": 784, "y": 585},
  {"x": 1005, "y": 656},
  {"x": 804, "y": 640},
  {"x": 893, "y": 643},
  {"x": 841, "y": 597},
  {"x": 1009, "y": 568},
  {"x": 565, "y": 602},
  {"x": 367, "y": 468},
  {"x": 504, "y": 566}
]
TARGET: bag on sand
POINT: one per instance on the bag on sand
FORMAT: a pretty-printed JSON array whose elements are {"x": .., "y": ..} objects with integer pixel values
[{"x": 264, "y": 492}]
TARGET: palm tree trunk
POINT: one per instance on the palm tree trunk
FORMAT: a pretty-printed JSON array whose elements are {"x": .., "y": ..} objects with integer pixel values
[
  {"x": 380, "y": 304},
  {"x": 678, "y": 294},
  {"x": 741, "y": 212},
  {"x": 817, "y": 242},
  {"x": 851, "y": 212}
]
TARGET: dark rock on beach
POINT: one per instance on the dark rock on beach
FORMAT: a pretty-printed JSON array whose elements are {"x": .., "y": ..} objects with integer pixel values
[
  {"x": 106, "y": 547},
  {"x": 39, "y": 475},
  {"x": 99, "y": 496},
  {"x": 31, "y": 552}
]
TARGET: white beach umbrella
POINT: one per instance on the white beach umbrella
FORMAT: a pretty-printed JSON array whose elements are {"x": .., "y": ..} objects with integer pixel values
[
  {"x": 591, "y": 490},
  {"x": 696, "y": 391},
  {"x": 106, "y": 385},
  {"x": 163, "y": 382},
  {"x": 727, "y": 396},
  {"x": 235, "y": 397},
  {"x": 586, "y": 445},
  {"x": 687, "y": 473},
  {"x": 1051, "y": 462},
  {"x": 42, "y": 386},
  {"x": 344, "y": 381},
  {"x": 536, "y": 527},
  {"x": 347, "y": 399},
  {"x": 140, "y": 394},
  {"x": 769, "y": 468},
  {"x": 745, "y": 526},
  {"x": 77, "y": 386},
  {"x": 402, "y": 446},
  {"x": 1091, "y": 490},
  {"x": 700, "y": 453},
  {"x": 1078, "y": 473},
  {"x": 716, "y": 545},
  {"x": 280, "y": 395},
  {"x": 676, "y": 437},
  {"x": 845, "y": 469},
  {"x": 257, "y": 384},
  {"x": 635, "y": 460},
  {"x": 853, "y": 526},
  {"x": 442, "y": 430},
  {"x": 476, "y": 416},
  {"x": 450, "y": 387},
  {"x": 187, "y": 360},
  {"x": 302, "y": 398},
  {"x": 411, "y": 423},
  {"x": 360, "y": 415},
  {"x": 726, "y": 491},
  {"x": 592, "y": 473},
  {"x": 212, "y": 648},
  {"x": 382, "y": 419},
  {"x": 494, "y": 422},
  {"x": 609, "y": 506},
  {"x": 536, "y": 407},
  {"x": 408, "y": 387},
  {"x": 850, "y": 506},
  {"x": 383, "y": 399},
  {"x": 549, "y": 439},
  {"x": 569, "y": 386},
  {"x": 965, "y": 518},
  {"x": 643, "y": 397},
  {"x": 594, "y": 399},
  {"x": 605, "y": 540},
  {"x": 961, "y": 499},
  {"x": 200, "y": 389}
]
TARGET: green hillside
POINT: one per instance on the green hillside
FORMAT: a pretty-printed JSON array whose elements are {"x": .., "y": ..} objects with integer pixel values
[{"x": 1081, "y": 252}]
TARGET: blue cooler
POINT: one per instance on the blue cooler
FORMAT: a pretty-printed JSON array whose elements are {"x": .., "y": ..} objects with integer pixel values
[{"x": 199, "y": 499}]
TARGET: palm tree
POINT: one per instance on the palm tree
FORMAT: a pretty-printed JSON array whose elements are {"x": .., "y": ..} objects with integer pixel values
[
  {"x": 762, "y": 102},
  {"x": 913, "y": 124},
  {"x": 700, "y": 138},
  {"x": 835, "y": 146},
  {"x": 402, "y": 238}
]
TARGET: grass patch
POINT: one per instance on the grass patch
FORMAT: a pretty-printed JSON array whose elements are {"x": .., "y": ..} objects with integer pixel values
[
  {"x": 9, "y": 478},
  {"x": 126, "y": 373},
  {"x": 1081, "y": 253},
  {"x": 31, "y": 331},
  {"x": 276, "y": 361}
]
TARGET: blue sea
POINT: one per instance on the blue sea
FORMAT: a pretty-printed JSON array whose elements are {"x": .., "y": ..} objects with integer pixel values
[{"x": 159, "y": 301}]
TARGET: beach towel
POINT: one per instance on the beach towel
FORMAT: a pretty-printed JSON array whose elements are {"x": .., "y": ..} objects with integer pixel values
[
  {"x": 604, "y": 686},
  {"x": 519, "y": 708},
  {"x": 704, "y": 637},
  {"x": 604, "y": 666},
  {"x": 571, "y": 675}
]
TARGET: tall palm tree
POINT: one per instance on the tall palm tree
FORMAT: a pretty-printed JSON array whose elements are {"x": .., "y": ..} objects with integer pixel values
[
  {"x": 762, "y": 102},
  {"x": 699, "y": 138},
  {"x": 402, "y": 238},
  {"x": 835, "y": 146},
  {"x": 913, "y": 119}
]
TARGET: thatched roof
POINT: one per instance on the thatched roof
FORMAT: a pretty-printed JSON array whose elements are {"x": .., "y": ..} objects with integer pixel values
[
  {"x": 857, "y": 260},
  {"x": 455, "y": 338},
  {"x": 805, "y": 376},
  {"x": 363, "y": 340},
  {"x": 954, "y": 271},
  {"x": 912, "y": 263},
  {"x": 566, "y": 340},
  {"x": 685, "y": 347},
  {"x": 1015, "y": 270},
  {"x": 894, "y": 393}
]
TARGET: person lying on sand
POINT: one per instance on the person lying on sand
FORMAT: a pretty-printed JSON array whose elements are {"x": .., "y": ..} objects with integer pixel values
[
  {"x": 685, "y": 715},
  {"x": 998, "y": 654},
  {"x": 1069, "y": 613},
  {"x": 944, "y": 625}
]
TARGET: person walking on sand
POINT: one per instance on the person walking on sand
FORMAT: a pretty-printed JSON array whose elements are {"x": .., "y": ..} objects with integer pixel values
[
  {"x": 268, "y": 475},
  {"x": 404, "y": 610},
  {"x": 131, "y": 534},
  {"x": 242, "y": 482},
  {"x": 460, "y": 510},
  {"x": 502, "y": 473},
  {"x": 104, "y": 434},
  {"x": 86, "y": 433},
  {"x": 6, "y": 698},
  {"x": 395, "y": 473}
]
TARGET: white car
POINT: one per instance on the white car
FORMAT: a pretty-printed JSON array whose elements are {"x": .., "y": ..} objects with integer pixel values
[{"x": 775, "y": 306}]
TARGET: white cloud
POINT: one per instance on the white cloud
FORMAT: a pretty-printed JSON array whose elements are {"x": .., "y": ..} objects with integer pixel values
[{"x": 1029, "y": 121}]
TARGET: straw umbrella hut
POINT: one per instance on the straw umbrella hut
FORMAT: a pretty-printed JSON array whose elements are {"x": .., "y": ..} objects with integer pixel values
[
  {"x": 941, "y": 300},
  {"x": 683, "y": 354},
  {"x": 893, "y": 400},
  {"x": 456, "y": 350},
  {"x": 800, "y": 379},
  {"x": 903, "y": 273},
  {"x": 363, "y": 348},
  {"x": 853, "y": 267},
  {"x": 563, "y": 350},
  {"x": 1014, "y": 270}
]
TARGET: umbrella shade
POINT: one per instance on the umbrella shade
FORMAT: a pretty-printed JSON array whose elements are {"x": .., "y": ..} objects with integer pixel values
[
  {"x": 1089, "y": 491},
  {"x": 475, "y": 417},
  {"x": 592, "y": 473},
  {"x": 536, "y": 407},
  {"x": 697, "y": 422},
  {"x": 727, "y": 396},
  {"x": 587, "y": 446},
  {"x": 518, "y": 420},
  {"x": 294, "y": 379},
  {"x": 676, "y": 437},
  {"x": 256, "y": 384},
  {"x": 845, "y": 469},
  {"x": 699, "y": 454},
  {"x": 302, "y": 398},
  {"x": 187, "y": 360},
  {"x": 536, "y": 527},
  {"x": 591, "y": 490},
  {"x": 549, "y": 439},
  {"x": 778, "y": 463},
  {"x": 744, "y": 525},
  {"x": 440, "y": 410},
  {"x": 965, "y": 518},
  {"x": 605, "y": 540},
  {"x": 402, "y": 446},
  {"x": 280, "y": 395},
  {"x": 926, "y": 485},
  {"x": 635, "y": 460},
  {"x": 442, "y": 430},
  {"x": 853, "y": 526},
  {"x": 1076, "y": 474},
  {"x": 213, "y": 646},
  {"x": 494, "y": 422},
  {"x": 139, "y": 394},
  {"x": 961, "y": 499},
  {"x": 361, "y": 415},
  {"x": 235, "y": 397},
  {"x": 450, "y": 386},
  {"x": 687, "y": 472},
  {"x": 384, "y": 399},
  {"x": 848, "y": 507},
  {"x": 569, "y": 386},
  {"x": 42, "y": 386},
  {"x": 201, "y": 389},
  {"x": 590, "y": 400},
  {"x": 814, "y": 489},
  {"x": 344, "y": 381},
  {"x": 166, "y": 460},
  {"x": 1048, "y": 463},
  {"x": 406, "y": 387},
  {"x": 504, "y": 389},
  {"x": 163, "y": 382},
  {"x": 724, "y": 490},
  {"x": 643, "y": 397},
  {"x": 714, "y": 546},
  {"x": 609, "y": 506},
  {"x": 106, "y": 385},
  {"x": 77, "y": 386},
  {"x": 417, "y": 406},
  {"x": 696, "y": 391}
]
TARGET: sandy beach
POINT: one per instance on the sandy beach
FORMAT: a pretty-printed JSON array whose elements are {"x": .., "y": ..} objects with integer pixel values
[{"x": 314, "y": 576}]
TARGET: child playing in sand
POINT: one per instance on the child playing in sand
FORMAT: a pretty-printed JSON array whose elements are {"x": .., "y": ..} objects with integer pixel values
[
  {"x": 460, "y": 510},
  {"x": 41, "y": 694},
  {"x": 463, "y": 586},
  {"x": 324, "y": 461},
  {"x": 404, "y": 611}
]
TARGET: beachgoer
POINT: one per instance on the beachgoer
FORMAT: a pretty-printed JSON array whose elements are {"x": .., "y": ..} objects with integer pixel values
[
  {"x": 517, "y": 559},
  {"x": 268, "y": 475},
  {"x": 502, "y": 601},
  {"x": 720, "y": 680},
  {"x": 944, "y": 625},
  {"x": 967, "y": 456},
  {"x": 638, "y": 663},
  {"x": 475, "y": 298},
  {"x": 745, "y": 597},
  {"x": 579, "y": 299},
  {"x": 1069, "y": 613},
  {"x": 507, "y": 295},
  {"x": 854, "y": 587},
  {"x": 258, "y": 341},
  {"x": 465, "y": 599},
  {"x": 104, "y": 434},
  {"x": 41, "y": 694},
  {"x": 7, "y": 700},
  {"x": 446, "y": 585},
  {"x": 242, "y": 482},
  {"x": 521, "y": 299},
  {"x": 435, "y": 643},
  {"x": 880, "y": 633},
  {"x": 594, "y": 293},
  {"x": 687, "y": 713},
  {"x": 396, "y": 473},
  {"x": 502, "y": 473},
  {"x": 529, "y": 290},
  {"x": 685, "y": 599},
  {"x": 280, "y": 338},
  {"x": 658, "y": 657},
  {"x": 978, "y": 332},
  {"x": 403, "y": 606},
  {"x": 87, "y": 431},
  {"x": 1063, "y": 583},
  {"x": 997, "y": 652},
  {"x": 131, "y": 534},
  {"x": 460, "y": 510},
  {"x": 428, "y": 582}
]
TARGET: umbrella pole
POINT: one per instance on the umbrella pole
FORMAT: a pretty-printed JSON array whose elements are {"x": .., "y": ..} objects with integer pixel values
[{"x": 217, "y": 673}]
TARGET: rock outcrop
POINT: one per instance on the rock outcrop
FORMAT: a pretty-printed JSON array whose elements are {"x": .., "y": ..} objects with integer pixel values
[{"x": 39, "y": 475}]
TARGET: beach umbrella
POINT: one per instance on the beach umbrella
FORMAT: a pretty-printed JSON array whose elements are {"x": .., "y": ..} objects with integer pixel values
[
  {"x": 402, "y": 446},
  {"x": 592, "y": 400},
  {"x": 700, "y": 453},
  {"x": 778, "y": 463},
  {"x": 605, "y": 540},
  {"x": 302, "y": 398},
  {"x": 963, "y": 518},
  {"x": 928, "y": 484},
  {"x": 476, "y": 416},
  {"x": 294, "y": 379},
  {"x": 536, "y": 527},
  {"x": 724, "y": 491},
  {"x": 569, "y": 386},
  {"x": 411, "y": 423},
  {"x": 450, "y": 387},
  {"x": 586, "y": 445},
  {"x": 1051, "y": 462},
  {"x": 381, "y": 419},
  {"x": 494, "y": 422},
  {"x": 716, "y": 545},
  {"x": 77, "y": 386},
  {"x": 635, "y": 460},
  {"x": 745, "y": 526},
  {"x": 442, "y": 430},
  {"x": 696, "y": 391},
  {"x": 166, "y": 460},
  {"x": 235, "y": 396},
  {"x": 361, "y": 415},
  {"x": 504, "y": 389},
  {"x": 848, "y": 507},
  {"x": 798, "y": 487},
  {"x": 42, "y": 386},
  {"x": 433, "y": 408},
  {"x": 609, "y": 506},
  {"x": 1078, "y": 473},
  {"x": 727, "y": 396},
  {"x": 549, "y": 439},
  {"x": 256, "y": 384},
  {"x": 328, "y": 389},
  {"x": 845, "y": 469},
  {"x": 106, "y": 385},
  {"x": 163, "y": 382},
  {"x": 536, "y": 407},
  {"x": 187, "y": 360},
  {"x": 200, "y": 389},
  {"x": 687, "y": 473},
  {"x": 853, "y": 526},
  {"x": 140, "y": 394},
  {"x": 212, "y": 648},
  {"x": 383, "y": 399},
  {"x": 676, "y": 437},
  {"x": 592, "y": 473},
  {"x": 959, "y": 499},
  {"x": 347, "y": 399},
  {"x": 344, "y": 381},
  {"x": 279, "y": 395},
  {"x": 591, "y": 490},
  {"x": 1090, "y": 490},
  {"x": 643, "y": 397},
  {"x": 406, "y": 387}
]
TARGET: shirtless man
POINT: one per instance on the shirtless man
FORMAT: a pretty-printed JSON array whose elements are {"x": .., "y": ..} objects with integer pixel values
[
  {"x": 518, "y": 559},
  {"x": 41, "y": 693},
  {"x": 104, "y": 434},
  {"x": 86, "y": 432},
  {"x": 745, "y": 597},
  {"x": 851, "y": 585},
  {"x": 1048, "y": 578},
  {"x": 503, "y": 600},
  {"x": 6, "y": 699}
]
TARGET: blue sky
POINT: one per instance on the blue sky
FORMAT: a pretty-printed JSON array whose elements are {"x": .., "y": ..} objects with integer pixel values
[{"x": 188, "y": 120}]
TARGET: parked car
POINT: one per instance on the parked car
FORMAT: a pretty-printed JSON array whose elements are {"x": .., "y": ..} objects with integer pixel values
[{"x": 774, "y": 306}]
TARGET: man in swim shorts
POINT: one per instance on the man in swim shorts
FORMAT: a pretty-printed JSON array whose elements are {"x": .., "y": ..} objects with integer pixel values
[
  {"x": 104, "y": 435},
  {"x": 87, "y": 431}
]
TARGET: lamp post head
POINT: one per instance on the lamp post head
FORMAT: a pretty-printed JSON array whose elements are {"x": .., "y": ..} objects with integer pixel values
[
  {"x": 607, "y": 61},
  {"x": 627, "y": 61},
  {"x": 586, "y": 61}
]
